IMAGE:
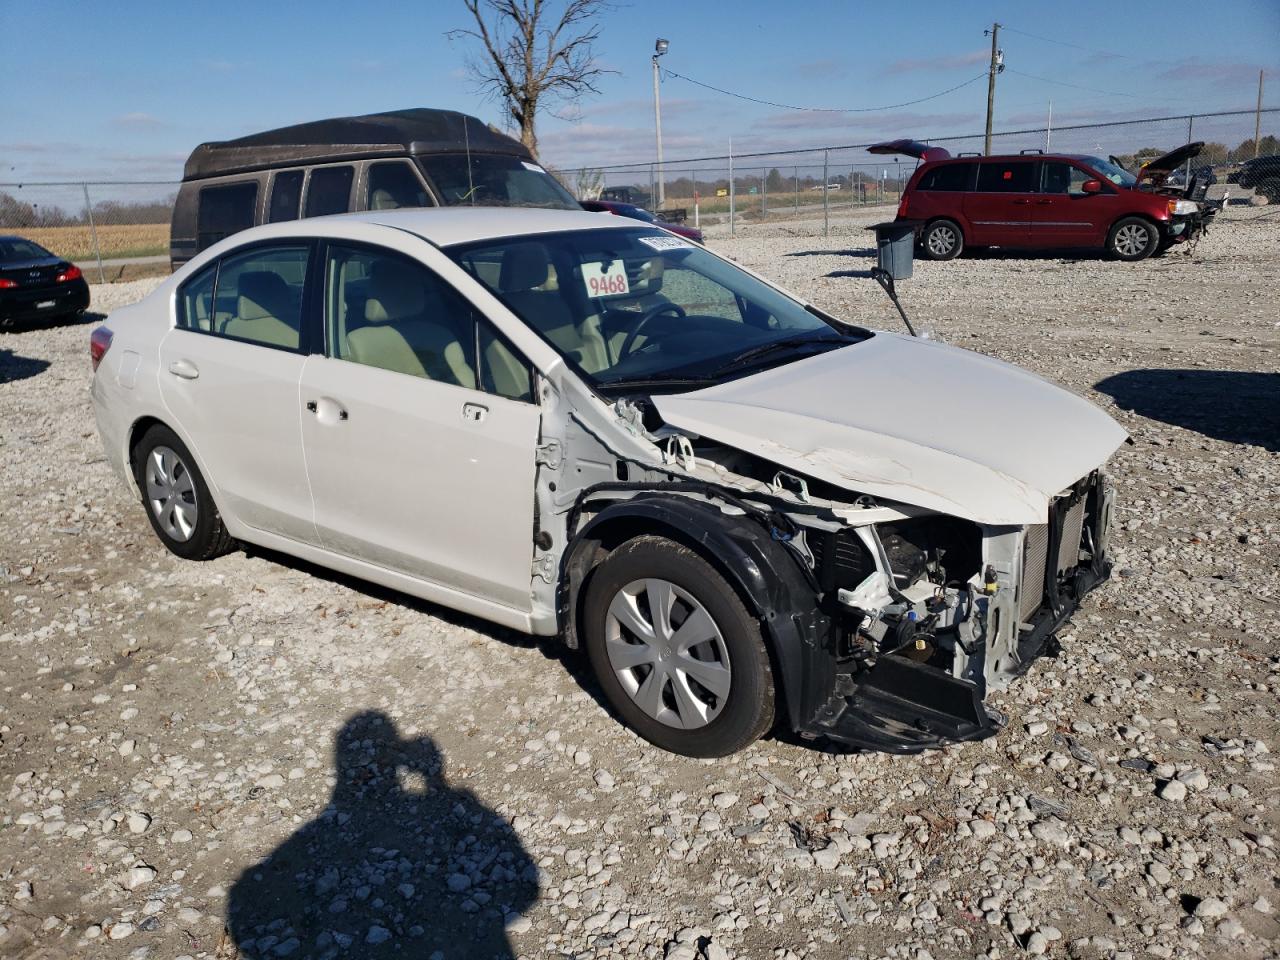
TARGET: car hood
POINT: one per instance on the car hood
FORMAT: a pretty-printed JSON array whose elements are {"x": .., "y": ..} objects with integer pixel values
[
  {"x": 915, "y": 421},
  {"x": 1157, "y": 171}
]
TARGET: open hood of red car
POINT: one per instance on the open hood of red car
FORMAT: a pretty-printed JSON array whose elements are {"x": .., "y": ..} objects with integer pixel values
[{"x": 911, "y": 148}]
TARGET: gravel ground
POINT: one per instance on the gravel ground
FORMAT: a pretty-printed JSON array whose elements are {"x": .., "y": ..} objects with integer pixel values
[{"x": 349, "y": 772}]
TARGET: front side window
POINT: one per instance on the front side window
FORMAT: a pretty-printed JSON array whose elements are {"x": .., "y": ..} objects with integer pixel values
[
  {"x": 329, "y": 190},
  {"x": 634, "y": 306},
  {"x": 1058, "y": 177},
  {"x": 1116, "y": 174},
  {"x": 949, "y": 177},
  {"x": 258, "y": 296},
  {"x": 223, "y": 211},
  {"x": 1013, "y": 176},
  {"x": 286, "y": 196},
  {"x": 494, "y": 180},
  {"x": 385, "y": 310},
  {"x": 394, "y": 184}
]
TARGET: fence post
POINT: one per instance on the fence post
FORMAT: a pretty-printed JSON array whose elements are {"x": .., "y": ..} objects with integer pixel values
[
  {"x": 764, "y": 198},
  {"x": 733, "y": 225},
  {"x": 826, "y": 195},
  {"x": 796, "y": 172},
  {"x": 93, "y": 231},
  {"x": 1186, "y": 170}
]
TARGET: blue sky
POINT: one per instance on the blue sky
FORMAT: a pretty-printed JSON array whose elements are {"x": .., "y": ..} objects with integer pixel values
[{"x": 126, "y": 89}]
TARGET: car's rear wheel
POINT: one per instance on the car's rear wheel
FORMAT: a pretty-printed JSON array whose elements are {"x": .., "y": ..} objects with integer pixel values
[
  {"x": 942, "y": 240},
  {"x": 1132, "y": 238},
  {"x": 1270, "y": 188},
  {"x": 176, "y": 497},
  {"x": 676, "y": 652}
]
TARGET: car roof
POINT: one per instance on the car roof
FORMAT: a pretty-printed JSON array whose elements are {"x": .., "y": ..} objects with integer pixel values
[
  {"x": 970, "y": 158},
  {"x": 450, "y": 226}
]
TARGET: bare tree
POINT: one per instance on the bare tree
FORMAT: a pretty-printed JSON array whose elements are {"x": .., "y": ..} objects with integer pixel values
[{"x": 531, "y": 59}]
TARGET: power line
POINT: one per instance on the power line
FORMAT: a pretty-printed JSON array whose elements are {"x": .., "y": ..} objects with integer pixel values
[
  {"x": 788, "y": 106},
  {"x": 1065, "y": 43},
  {"x": 1074, "y": 86}
]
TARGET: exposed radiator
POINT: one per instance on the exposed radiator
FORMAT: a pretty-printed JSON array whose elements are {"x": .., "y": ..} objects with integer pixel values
[
  {"x": 1072, "y": 531},
  {"x": 1035, "y": 555}
]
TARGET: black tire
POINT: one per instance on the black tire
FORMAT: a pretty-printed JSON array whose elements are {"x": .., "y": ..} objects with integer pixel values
[
  {"x": 1270, "y": 189},
  {"x": 747, "y": 710},
  {"x": 942, "y": 240},
  {"x": 208, "y": 536},
  {"x": 1125, "y": 242}
]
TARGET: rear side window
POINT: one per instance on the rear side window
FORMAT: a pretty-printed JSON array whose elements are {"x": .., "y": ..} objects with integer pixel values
[
  {"x": 952, "y": 177},
  {"x": 286, "y": 196},
  {"x": 394, "y": 184},
  {"x": 223, "y": 211},
  {"x": 1015, "y": 176},
  {"x": 254, "y": 296},
  {"x": 329, "y": 191}
]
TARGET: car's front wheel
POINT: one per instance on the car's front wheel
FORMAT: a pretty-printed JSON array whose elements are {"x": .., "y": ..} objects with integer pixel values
[
  {"x": 676, "y": 652},
  {"x": 1133, "y": 238},
  {"x": 177, "y": 499},
  {"x": 942, "y": 240}
]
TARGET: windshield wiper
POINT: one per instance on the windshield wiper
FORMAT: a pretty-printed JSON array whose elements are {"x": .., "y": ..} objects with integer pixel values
[
  {"x": 657, "y": 380},
  {"x": 774, "y": 346}
]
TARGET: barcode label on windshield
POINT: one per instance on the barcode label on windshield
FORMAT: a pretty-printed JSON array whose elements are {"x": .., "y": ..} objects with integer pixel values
[{"x": 664, "y": 243}]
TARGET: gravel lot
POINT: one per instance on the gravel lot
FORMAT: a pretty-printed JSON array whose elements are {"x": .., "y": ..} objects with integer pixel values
[{"x": 348, "y": 772}]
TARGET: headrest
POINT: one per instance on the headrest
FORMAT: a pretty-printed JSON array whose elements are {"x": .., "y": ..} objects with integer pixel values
[
  {"x": 382, "y": 200},
  {"x": 524, "y": 266},
  {"x": 262, "y": 293},
  {"x": 395, "y": 292}
]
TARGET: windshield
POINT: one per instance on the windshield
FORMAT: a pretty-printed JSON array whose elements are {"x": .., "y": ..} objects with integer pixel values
[
  {"x": 16, "y": 248},
  {"x": 1117, "y": 175},
  {"x": 494, "y": 180},
  {"x": 631, "y": 307}
]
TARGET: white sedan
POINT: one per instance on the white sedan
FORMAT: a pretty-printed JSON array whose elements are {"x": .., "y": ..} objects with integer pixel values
[{"x": 587, "y": 427}]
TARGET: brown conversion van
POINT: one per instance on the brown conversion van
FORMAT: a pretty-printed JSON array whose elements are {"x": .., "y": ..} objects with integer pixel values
[{"x": 406, "y": 158}]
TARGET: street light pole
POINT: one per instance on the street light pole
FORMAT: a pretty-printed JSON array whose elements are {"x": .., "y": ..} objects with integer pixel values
[{"x": 659, "y": 48}]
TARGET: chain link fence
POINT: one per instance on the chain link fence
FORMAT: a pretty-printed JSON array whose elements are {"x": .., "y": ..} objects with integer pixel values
[
  {"x": 749, "y": 187},
  {"x": 107, "y": 225}
]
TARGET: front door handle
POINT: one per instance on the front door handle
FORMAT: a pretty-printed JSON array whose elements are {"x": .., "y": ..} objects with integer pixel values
[
  {"x": 474, "y": 412},
  {"x": 184, "y": 369},
  {"x": 1043, "y": 202}
]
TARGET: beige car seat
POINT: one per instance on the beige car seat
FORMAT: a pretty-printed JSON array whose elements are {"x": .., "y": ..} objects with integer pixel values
[
  {"x": 265, "y": 310},
  {"x": 409, "y": 328},
  {"x": 525, "y": 284}
]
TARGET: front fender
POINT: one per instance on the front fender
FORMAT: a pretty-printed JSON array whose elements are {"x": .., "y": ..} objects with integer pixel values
[{"x": 754, "y": 559}]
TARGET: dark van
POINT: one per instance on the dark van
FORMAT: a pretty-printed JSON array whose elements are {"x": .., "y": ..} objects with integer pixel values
[{"x": 406, "y": 158}]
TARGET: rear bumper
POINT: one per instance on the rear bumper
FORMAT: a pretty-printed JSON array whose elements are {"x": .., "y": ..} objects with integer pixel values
[{"x": 17, "y": 305}]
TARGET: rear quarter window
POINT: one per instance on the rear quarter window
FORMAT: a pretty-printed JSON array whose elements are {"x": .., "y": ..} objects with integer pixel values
[
  {"x": 950, "y": 177},
  {"x": 225, "y": 210}
]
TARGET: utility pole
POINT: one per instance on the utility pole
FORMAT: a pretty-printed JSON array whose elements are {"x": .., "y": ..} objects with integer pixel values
[
  {"x": 1048, "y": 128},
  {"x": 659, "y": 48},
  {"x": 997, "y": 64},
  {"x": 1257, "y": 118}
]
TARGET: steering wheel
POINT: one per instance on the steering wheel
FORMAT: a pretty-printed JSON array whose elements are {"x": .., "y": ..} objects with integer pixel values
[{"x": 628, "y": 345}]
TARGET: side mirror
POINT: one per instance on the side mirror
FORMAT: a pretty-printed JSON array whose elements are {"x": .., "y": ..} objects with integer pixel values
[{"x": 1091, "y": 186}]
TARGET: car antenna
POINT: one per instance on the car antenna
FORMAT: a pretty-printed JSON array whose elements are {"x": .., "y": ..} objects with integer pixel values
[{"x": 885, "y": 279}]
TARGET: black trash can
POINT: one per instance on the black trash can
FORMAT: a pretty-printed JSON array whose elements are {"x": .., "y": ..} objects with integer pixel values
[{"x": 895, "y": 247}]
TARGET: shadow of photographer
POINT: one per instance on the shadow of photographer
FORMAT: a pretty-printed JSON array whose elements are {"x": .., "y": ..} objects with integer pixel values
[{"x": 399, "y": 863}]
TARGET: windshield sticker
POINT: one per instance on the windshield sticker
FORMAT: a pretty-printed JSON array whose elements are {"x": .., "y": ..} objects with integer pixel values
[
  {"x": 605, "y": 279},
  {"x": 664, "y": 243},
  {"x": 532, "y": 166}
]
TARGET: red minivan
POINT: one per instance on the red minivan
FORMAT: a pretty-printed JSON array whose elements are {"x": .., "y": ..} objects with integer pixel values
[{"x": 1045, "y": 201}]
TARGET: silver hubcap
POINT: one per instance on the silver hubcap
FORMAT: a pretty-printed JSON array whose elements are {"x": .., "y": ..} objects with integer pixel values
[
  {"x": 667, "y": 653},
  {"x": 1131, "y": 240},
  {"x": 941, "y": 240},
  {"x": 171, "y": 493}
]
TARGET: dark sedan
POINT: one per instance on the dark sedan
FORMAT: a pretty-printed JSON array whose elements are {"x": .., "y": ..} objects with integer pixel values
[
  {"x": 637, "y": 213},
  {"x": 36, "y": 285}
]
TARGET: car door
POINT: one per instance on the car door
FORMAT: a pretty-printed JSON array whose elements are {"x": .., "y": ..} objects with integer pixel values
[
  {"x": 420, "y": 429},
  {"x": 999, "y": 207},
  {"x": 1062, "y": 213},
  {"x": 229, "y": 372}
]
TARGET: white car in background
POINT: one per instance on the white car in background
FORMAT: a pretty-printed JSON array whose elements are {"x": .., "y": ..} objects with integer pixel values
[{"x": 583, "y": 426}]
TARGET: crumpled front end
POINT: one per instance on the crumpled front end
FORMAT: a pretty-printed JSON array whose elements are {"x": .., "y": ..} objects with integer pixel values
[{"x": 929, "y": 613}]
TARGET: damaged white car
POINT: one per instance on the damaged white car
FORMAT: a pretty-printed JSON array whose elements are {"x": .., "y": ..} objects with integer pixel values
[{"x": 579, "y": 426}]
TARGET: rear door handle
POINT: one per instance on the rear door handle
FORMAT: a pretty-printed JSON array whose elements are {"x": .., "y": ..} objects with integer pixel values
[
  {"x": 184, "y": 369},
  {"x": 1021, "y": 202},
  {"x": 474, "y": 412},
  {"x": 327, "y": 410}
]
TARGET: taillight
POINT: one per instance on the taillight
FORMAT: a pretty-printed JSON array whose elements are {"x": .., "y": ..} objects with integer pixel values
[
  {"x": 99, "y": 344},
  {"x": 902, "y": 206},
  {"x": 71, "y": 273},
  {"x": 8, "y": 284}
]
